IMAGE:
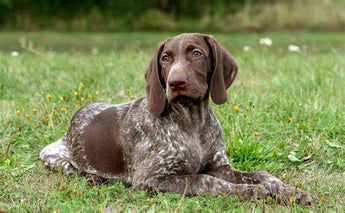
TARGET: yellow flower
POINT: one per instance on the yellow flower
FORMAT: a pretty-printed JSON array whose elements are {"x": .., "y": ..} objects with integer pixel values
[
  {"x": 291, "y": 200},
  {"x": 49, "y": 96},
  {"x": 76, "y": 93},
  {"x": 47, "y": 118},
  {"x": 19, "y": 112},
  {"x": 236, "y": 108},
  {"x": 238, "y": 192},
  {"x": 63, "y": 109},
  {"x": 322, "y": 198},
  {"x": 62, "y": 187},
  {"x": 297, "y": 183},
  {"x": 77, "y": 192},
  {"x": 27, "y": 115},
  {"x": 97, "y": 92},
  {"x": 82, "y": 99},
  {"x": 256, "y": 134},
  {"x": 89, "y": 96},
  {"x": 62, "y": 98},
  {"x": 227, "y": 150},
  {"x": 34, "y": 110}
]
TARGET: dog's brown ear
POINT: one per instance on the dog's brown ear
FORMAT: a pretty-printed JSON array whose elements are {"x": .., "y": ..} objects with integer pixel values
[
  {"x": 223, "y": 73},
  {"x": 155, "y": 93}
]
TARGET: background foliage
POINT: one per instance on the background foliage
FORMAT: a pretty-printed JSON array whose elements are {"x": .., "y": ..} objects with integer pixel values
[{"x": 172, "y": 15}]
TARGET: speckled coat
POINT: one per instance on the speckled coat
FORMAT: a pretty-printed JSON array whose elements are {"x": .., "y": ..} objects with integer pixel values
[{"x": 166, "y": 146}]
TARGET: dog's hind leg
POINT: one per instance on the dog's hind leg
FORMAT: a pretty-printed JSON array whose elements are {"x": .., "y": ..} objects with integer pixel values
[{"x": 56, "y": 155}]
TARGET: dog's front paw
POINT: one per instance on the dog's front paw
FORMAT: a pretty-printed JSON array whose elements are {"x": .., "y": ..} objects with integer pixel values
[
  {"x": 303, "y": 197},
  {"x": 287, "y": 194}
]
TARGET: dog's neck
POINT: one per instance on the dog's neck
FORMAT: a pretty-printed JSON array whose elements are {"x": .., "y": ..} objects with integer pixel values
[{"x": 189, "y": 114}]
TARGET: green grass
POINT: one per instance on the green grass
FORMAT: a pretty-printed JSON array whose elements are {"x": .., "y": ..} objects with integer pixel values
[{"x": 294, "y": 101}]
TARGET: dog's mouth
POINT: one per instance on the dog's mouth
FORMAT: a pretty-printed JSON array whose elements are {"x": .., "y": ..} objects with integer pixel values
[{"x": 183, "y": 97}]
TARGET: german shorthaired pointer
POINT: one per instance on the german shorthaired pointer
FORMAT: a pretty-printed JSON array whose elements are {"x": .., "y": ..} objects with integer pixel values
[{"x": 170, "y": 140}]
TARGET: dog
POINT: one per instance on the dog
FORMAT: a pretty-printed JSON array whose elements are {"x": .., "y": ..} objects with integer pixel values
[{"x": 170, "y": 140}]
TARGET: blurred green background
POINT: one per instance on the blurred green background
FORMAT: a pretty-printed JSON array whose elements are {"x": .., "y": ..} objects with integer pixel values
[{"x": 173, "y": 15}]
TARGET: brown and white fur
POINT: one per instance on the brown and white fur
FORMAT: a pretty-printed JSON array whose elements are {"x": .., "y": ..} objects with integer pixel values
[{"x": 170, "y": 140}]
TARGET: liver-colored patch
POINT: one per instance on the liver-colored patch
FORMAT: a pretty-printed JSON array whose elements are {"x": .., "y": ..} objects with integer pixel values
[{"x": 101, "y": 143}]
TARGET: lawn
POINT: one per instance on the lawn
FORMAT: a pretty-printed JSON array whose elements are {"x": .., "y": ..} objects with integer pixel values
[{"x": 285, "y": 114}]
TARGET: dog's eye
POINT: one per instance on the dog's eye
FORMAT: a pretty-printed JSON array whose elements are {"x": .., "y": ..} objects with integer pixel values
[
  {"x": 197, "y": 53},
  {"x": 166, "y": 58}
]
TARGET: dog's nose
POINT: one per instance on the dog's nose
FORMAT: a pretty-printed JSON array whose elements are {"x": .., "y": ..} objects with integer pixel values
[{"x": 177, "y": 82}]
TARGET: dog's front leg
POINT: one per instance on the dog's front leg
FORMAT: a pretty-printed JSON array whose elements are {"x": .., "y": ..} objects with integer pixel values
[
  {"x": 202, "y": 184},
  {"x": 283, "y": 192}
]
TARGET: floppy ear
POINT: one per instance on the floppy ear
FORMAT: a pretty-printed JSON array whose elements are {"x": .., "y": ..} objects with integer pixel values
[
  {"x": 155, "y": 93},
  {"x": 223, "y": 73}
]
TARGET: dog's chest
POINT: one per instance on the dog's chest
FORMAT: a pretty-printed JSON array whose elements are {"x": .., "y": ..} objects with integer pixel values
[
  {"x": 170, "y": 146},
  {"x": 191, "y": 152},
  {"x": 181, "y": 152}
]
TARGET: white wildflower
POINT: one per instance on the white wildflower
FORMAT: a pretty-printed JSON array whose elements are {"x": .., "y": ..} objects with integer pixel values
[
  {"x": 14, "y": 53},
  {"x": 246, "y": 48},
  {"x": 294, "y": 48},
  {"x": 266, "y": 41},
  {"x": 94, "y": 51}
]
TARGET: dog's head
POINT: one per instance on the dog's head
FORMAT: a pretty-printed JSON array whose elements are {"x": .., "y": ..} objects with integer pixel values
[{"x": 188, "y": 67}]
